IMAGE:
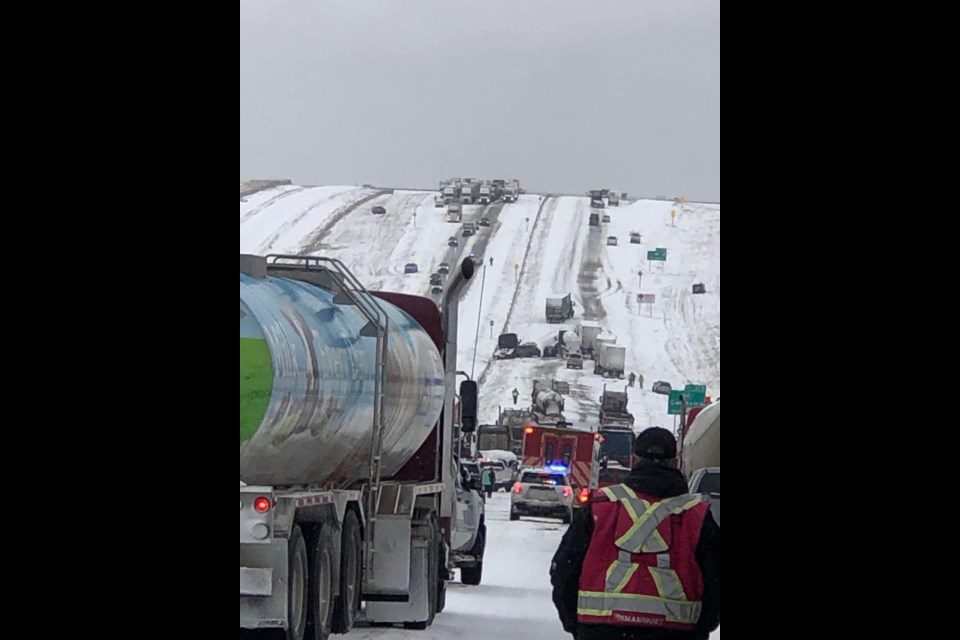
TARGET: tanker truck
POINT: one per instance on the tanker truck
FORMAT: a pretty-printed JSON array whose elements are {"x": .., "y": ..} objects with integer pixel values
[
  {"x": 547, "y": 407},
  {"x": 350, "y": 491},
  {"x": 700, "y": 455}
]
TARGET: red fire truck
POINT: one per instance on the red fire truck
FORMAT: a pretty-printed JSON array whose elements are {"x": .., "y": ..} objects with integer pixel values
[{"x": 574, "y": 450}]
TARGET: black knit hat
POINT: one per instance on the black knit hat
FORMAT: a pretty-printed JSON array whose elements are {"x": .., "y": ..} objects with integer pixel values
[{"x": 656, "y": 443}]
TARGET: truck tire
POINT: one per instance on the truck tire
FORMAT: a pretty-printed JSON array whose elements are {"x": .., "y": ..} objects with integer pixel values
[
  {"x": 473, "y": 576},
  {"x": 298, "y": 586},
  {"x": 322, "y": 586},
  {"x": 351, "y": 575}
]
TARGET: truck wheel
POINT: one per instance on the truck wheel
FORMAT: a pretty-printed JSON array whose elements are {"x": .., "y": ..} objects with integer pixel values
[
  {"x": 321, "y": 585},
  {"x": 473, "y": 576},
  {"x": 297, "y": 578},
  {"x": 351, "y": 575}
]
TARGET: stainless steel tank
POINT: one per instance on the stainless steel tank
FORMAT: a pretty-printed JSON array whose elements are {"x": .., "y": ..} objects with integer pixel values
[{"x": 307, "y": 387}]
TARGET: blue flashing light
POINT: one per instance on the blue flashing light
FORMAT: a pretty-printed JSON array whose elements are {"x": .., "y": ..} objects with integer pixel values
[{"x": 557, "y": 468}]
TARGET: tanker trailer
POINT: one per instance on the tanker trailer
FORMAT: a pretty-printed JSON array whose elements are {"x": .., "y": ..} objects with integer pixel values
[
  {"x": 345, "y": 451},
  {"x": 700, "y": 455}
]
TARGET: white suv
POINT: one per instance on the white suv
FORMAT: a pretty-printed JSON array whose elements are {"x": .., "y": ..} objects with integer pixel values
[{"x": 542, "y": 492}]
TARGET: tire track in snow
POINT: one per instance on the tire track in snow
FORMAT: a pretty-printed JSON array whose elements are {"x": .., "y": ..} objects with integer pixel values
[
  {"x": 249, "y": 215},
  {"x": 314, "y": 243}
]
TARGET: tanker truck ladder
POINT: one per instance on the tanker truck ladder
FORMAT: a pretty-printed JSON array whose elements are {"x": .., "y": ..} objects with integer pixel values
[{"x": 334, "y": 276}]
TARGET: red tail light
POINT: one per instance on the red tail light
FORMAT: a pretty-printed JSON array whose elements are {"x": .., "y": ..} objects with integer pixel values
[
  {"x": 529, "y": 431},
  {"x": 518, "y": 488},
  {"x": 261, "y": 505},
  {"x": 567, "y": 492},
  {"x": 584, "y": 496}
]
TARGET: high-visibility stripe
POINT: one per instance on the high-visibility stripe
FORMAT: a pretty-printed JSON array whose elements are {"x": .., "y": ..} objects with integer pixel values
[
  {"x": 646, "y": 522},
  {"x": 668, "y": 584},
  {"x": 604, "y": 604},
  {"x": 620, "y": 573}
]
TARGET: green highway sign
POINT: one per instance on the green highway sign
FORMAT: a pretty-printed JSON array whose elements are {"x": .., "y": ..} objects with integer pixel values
[
  {"x": 695, "y": 398},
  {"x": 660, "y": 255}
]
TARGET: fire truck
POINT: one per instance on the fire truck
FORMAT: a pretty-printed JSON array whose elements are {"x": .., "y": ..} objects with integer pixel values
[{"x": 576, "y": 451}]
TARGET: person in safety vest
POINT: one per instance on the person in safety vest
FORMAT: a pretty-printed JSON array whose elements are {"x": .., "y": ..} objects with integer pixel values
[{"x": 641, "y": 561}]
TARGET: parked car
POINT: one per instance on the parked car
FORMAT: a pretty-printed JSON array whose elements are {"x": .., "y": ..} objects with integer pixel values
[
  {"x": 379, "y": 211},
  {"x": 575, "y": 361},
  {"x": 453, "y": 242},
  {"x": 436, "y": 290},
  {"x": 436, "y": 280},
  {"x": 636, "y": 237},
  {"x": 542, "y": 492},
  {"x": 484, "y": 222},
  {"x": 612, "y": 241},
  {"x": 411, "y": 268},
  {"x": 528, "y": 350},
  {"x": 663, "y": 388},
  {"x": 444, "y": 268},
  {"x": 469, "y": 230},
  {"x": 606, "y": 218},
  {"x": 699, "y": 289}
]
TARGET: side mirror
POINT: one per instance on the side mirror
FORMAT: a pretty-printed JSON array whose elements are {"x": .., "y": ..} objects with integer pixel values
[{"x": 469, "y": 396}]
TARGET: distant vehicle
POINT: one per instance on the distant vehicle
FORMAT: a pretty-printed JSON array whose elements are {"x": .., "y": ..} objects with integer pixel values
[
  {"x": 436, "y": 280},
  {"x": 484, "y": 222},
  {"x": 435, "y": 290},
  {"x": 663, "y": 388},
  {"x": 612, "y": 241},
  {"x": 545, "y": 492},
  {"x": 597, "y": 204},
  {"x": 444, "y": 268},
  {"x": 606, "y": 218},
  {"x": 453, "y": 242},
  {"x": 439, "y": 202},
  {"x": 594, "y": 219},
  {"x": 699, "y": 289},
  {"x": 528, "y": 350},
  {"x": 469, "y": 230},
  {"x": 575, "y": 361},
  {"x": 411, "y": 268},
  {"x": 379, "y": 211},
  {"x": 636, "y": 237}
]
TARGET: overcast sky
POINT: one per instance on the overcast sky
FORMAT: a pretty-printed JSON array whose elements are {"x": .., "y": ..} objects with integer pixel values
[{"x": 565, "y": 95}]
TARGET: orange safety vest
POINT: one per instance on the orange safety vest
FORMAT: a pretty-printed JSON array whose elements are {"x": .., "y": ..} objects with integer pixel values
[{"x": 641, "y": 568}]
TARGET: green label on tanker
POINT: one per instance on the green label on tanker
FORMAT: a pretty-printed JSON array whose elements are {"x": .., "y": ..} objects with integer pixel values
[{"x": 256, "y": 384}]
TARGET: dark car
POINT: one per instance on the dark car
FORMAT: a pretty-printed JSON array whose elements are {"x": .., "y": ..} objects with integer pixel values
[
  {"x": 436, "y": 280},
  {"x": 612, "y": 241},
  {"x": 606, "y": 219},
  {"x": 444, "y": 268},
  {"x": 379, "y": 211},
  {"x": 411, "y": 268},
  {"x": 453, "y": 242},
  {"x": 528, "y": 350},
  {"x": 436, "y": 290},
  {"x": 663, "y": 388},
  {"x": 484, "y": 222},
  {"x": 699, "y": 289},
  {"x": 636, "y": 237}
]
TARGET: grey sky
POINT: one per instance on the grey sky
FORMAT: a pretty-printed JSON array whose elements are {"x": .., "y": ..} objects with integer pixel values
[{"x": 565, "y": 95}]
